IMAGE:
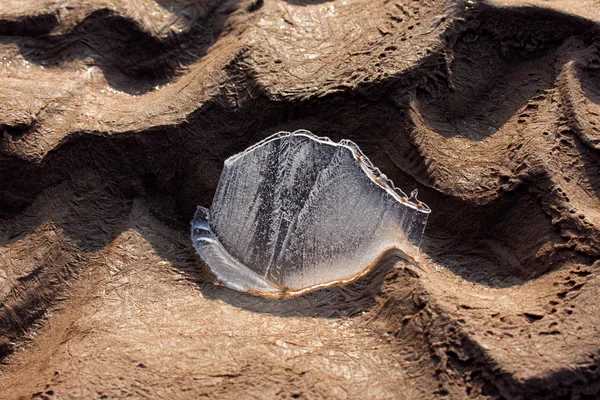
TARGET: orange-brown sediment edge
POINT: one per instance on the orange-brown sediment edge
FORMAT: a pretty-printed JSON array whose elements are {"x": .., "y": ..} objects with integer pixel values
[{"x": 287, "y": 293}]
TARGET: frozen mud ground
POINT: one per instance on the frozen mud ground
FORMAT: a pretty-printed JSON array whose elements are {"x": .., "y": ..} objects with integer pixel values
[{"x": 116, "y": 117}]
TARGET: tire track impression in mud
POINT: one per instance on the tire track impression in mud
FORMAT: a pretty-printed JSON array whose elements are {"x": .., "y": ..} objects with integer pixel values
[{"x": 506, "y": 159}]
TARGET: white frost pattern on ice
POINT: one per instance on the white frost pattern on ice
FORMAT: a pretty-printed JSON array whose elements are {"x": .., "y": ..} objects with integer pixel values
[{"x": 297, "y": 212}]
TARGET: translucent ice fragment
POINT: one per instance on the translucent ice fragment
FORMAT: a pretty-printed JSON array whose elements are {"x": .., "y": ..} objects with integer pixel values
[{"x": 297, "y": 212}]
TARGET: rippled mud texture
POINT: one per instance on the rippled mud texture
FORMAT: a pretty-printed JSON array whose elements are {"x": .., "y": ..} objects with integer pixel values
[{"x": 116, "y": 118}]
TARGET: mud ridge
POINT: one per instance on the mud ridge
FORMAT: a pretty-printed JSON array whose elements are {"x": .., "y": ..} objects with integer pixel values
[{"x": 105, "y": 38}]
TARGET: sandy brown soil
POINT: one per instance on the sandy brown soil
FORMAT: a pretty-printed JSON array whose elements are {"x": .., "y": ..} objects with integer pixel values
[{"x": 116, "y": 117}]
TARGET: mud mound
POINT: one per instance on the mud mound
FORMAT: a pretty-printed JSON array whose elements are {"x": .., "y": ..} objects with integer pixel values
[{"x": 116, "y": 118}]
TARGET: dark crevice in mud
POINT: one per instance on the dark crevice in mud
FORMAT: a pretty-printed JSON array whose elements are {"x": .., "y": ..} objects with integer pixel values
[
  {"x": 566, "y": 383},
  {"x": 17, "y": 131},
  {"x": 530, "y": 26},
  {"x": 114, "y": 159},
  {"x": 35, "y": 25},
  {"x": 255, "y": 5},
  {"x": 108, "y": 39}
]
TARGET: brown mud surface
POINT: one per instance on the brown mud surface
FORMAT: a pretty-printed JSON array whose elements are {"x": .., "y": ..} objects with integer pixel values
[{"x": 115, "y": 120}]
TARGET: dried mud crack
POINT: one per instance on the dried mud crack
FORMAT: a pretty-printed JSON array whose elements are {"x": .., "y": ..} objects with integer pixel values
[{"x": 116, "y": 118}]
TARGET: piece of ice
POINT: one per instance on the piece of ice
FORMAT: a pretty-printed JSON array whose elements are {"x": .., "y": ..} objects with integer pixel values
[{"x": 297, "y": 212}]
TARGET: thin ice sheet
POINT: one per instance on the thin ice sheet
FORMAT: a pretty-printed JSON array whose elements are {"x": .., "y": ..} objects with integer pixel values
[{"x": 297, "y": 212}]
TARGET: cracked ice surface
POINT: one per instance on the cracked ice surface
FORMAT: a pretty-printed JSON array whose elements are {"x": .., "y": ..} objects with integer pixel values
[{"x": 296, "y": 212}]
